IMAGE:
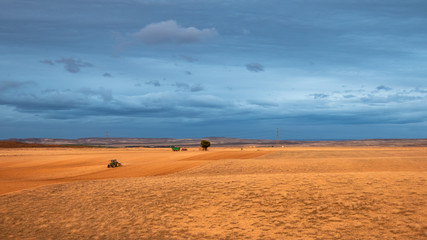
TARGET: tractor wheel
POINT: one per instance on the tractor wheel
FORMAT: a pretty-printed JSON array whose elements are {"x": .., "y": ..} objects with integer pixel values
[
  {"x": 108, "y": 166},
  {"x": 112, "y": 165}
]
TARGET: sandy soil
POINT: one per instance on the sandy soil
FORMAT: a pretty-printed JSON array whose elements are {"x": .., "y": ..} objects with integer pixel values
[
  {"x": 26, "y": 168},
  {"x": 290, "y": 193}
]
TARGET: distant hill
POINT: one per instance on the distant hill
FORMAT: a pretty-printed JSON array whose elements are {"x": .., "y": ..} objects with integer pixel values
[
  {"x": 194, "y": 142},
  {"x": 17, "y": 144}
]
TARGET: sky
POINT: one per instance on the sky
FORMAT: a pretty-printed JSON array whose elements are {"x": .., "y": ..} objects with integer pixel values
[{"x": 306, "y": 69}]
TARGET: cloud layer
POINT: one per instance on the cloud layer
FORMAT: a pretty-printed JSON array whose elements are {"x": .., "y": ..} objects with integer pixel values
[
  {"x": 218, "y": 68},
  {"x": 363, "y": 107}
]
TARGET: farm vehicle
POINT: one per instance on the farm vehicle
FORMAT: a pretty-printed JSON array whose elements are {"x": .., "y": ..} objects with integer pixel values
[
  {"x": 113, "y": 163},
  {"x": 176, "y": 149}
]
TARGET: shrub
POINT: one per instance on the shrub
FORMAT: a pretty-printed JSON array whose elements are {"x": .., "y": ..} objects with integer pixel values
[{"x": 205, "y": 144}]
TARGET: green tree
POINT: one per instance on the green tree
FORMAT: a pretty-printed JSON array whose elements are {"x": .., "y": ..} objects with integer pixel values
[{"x": 205, "y": 144}]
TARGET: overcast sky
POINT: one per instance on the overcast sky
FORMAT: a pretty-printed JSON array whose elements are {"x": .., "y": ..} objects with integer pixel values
[{"x": 329, "y": 69}]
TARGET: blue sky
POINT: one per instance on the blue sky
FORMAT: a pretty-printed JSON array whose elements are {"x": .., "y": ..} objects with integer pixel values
[{"x": 330, "y": 69}]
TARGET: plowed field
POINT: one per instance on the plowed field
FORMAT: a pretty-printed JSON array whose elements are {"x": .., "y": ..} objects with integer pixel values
[{"x": 257, "y": 193}]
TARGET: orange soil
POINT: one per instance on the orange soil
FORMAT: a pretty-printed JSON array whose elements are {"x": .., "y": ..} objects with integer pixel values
[
  {"x": 258, "y": 193},
  {"x": 26, "y": 168}
]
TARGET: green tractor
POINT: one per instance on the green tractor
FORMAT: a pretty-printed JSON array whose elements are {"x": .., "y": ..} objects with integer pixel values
[
  {"x": 176, "y": 149},
  {"x": 113, "y": 163}
]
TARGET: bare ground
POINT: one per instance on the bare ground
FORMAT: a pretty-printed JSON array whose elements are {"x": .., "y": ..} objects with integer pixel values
[{"x": 294, "y": 193}]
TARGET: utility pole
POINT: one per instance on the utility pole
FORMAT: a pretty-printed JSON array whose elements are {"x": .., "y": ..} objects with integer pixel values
[{"x": 277, "y": 136}]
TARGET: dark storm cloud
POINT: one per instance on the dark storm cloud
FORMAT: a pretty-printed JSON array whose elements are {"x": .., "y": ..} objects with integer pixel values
[
  {"x": 188, "y": 58},
  {"x": 73, "y": 65},
  {"x": 196, "y": 88},
  {"x": 85, "y": 103},
  {"x": 170, "y": 32},
  {"x": 6, "y": 85},
  {"x": 319, "y": 95},
  {"x": 48, "y": 62},
  {"x": 384, "y": 88},
  {"x": 45, "y": 102},
  {"x": 155, "y": 83},
  {"x": 254, "y": 67},
  {"x": 187, "y": 87},
  {"x": 53, "y": 99},
  {"x": 181, "y": 85}
]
